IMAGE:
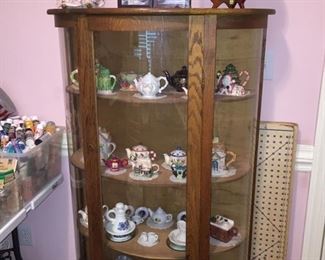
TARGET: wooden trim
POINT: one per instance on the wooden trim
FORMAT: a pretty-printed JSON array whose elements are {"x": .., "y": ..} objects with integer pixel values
[
  {"x": 88, "y": 110},
  {"x": 315, "y": 219},
  {"x": 161, "y": 11},
  {"x": 241, "y": 22},
  {"x": 202, "y": 43}
]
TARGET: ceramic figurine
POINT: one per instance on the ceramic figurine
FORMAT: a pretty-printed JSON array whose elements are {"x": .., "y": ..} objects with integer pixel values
[
  {"x": 79, "y": 3},
  {"x": 221, "y": 166},
  {"x": 105, "y": 145},
  {"x": 105, "y": 81},
  {"x": 148, "y": 239},
  {"x": 222, "y": 228},
  {"x": 177, "y": 237},
  {"x": 229, "y": 83},
  {"x": 149, "y": 86},
  {"x": 116, "y": 165},
  {"x": 159, "y": 219},
  {"x": 140, "y": 215},
  {"x": 178, "y": 80},
  {"x": 126, "y": 81},
  {"x": 229, "y": 3},
  {"x": 140, "y": 159},
  {"x": 177, "y": 156}
]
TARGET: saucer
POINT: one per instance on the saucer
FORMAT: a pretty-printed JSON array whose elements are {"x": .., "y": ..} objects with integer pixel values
[
  {"x": 109, "y": 230},
  {"x": 176, "y": 247},
  {"x": 172, "y": 238},
  {"x": 138, "y": 95},
  {"x": 142, "y": 178},
  {"x": 122, "y": 238},
  {"x": 224, "y": 173},
  {"x": 152, "y": 224},
  {"x": 174, "y": 179},
  {"x": 166, "y": 166},
  {"x": 109, "y": 172},
  {"x": 106, "y": 94}
]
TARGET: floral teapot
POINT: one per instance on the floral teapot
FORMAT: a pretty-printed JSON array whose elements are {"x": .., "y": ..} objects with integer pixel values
[
  {"x": 139, "y": 152},
  {"x": 149, "y": 85},
  {"x": 178, "y": 157},
  {"x": 219, "y": 154}
]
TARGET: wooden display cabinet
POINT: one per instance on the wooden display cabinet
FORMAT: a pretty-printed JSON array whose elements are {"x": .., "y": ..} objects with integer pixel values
[{"x": 142, "y": 40}]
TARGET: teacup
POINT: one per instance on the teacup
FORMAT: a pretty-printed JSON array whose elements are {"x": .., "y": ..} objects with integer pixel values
[
  {"x": 137, "y": 219},
  {"x": 142, "y": 212},
  {"x": 148, "y": 239}
]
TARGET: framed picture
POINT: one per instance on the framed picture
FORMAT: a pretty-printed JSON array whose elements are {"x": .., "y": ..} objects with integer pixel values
[
  {"x": 135, "y": 3},
  {"x": 172, "y": 3}
]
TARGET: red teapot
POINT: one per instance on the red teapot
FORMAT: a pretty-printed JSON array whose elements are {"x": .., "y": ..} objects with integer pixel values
[{"x": 115, "y": 164}]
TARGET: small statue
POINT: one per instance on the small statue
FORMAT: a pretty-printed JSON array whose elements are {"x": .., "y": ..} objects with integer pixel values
[
  {"x": 79, "y": 3},
  {"x": 229, "y": 3}
]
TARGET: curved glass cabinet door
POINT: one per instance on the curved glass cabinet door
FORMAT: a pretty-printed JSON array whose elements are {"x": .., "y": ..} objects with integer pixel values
[
  {"x": 162, "y": 112},
  {"x": 238, "y": 67}
]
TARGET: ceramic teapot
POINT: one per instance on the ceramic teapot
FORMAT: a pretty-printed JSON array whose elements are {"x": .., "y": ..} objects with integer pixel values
[
  {"x": 178, "y": 80},
  {"x": 140, "y": 152},
  {"x": 115, "y": 164},
  {"x": 149, "y": 85},
  {"x": 105, "y": 81},
  {"x": 105, "y": 145},
  {"x": 219, "y": 153},
  {"x": 118, "y": 217},
  {"x": 160, "y": 216},
  {"x": 177, "y": 156}
]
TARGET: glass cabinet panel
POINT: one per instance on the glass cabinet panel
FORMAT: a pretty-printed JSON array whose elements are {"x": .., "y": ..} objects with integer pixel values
[{"x": 238, "y": 67}]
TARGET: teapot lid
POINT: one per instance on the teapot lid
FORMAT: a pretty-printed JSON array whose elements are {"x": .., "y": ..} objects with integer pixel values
[
  {"x": 178, "y": 152},
  {"x": 139, "y": 148}
]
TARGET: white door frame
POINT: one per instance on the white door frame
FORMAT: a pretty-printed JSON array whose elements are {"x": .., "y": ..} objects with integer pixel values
[{"x": 315, "y": 220}]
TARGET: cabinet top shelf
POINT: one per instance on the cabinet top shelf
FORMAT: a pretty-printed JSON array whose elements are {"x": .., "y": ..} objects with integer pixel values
[{"x": 158, "y": 11}]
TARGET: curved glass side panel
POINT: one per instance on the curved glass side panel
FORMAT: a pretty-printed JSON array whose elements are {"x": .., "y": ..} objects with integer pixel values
[{"x": 238, "y": 67}]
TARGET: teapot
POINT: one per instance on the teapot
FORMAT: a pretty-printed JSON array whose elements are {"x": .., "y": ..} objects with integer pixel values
[
  {"x": 138, "y": 152},
  {"x": 105, "y": 145},
  {"x": 115, "y": 164},
  {"x": 219, "y": 154},
  {"x": 178, "y": 80},
  {"x": 177, "y": 156},
  {"x": 105, "y": 81},
  {"x": 160, "y": 216},
  {"x": 126, "y": 80},
  {"x": 118, "y": 217},
  {"x": 149, "y": 85}
]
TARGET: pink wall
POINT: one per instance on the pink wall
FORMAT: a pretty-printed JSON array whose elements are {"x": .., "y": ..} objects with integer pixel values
[{"x": 30, "y": 72}]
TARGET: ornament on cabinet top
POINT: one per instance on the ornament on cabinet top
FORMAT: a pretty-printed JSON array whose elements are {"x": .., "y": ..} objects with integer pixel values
[
  {"x": 229, "y": 3},
  {"x": 220, "y": 165},
  {"x": 79, "y": 3},
  {"x": 150, "y": 86},
  {"x": 178, "y": 80},
  {"x": 229, "y": 82}
]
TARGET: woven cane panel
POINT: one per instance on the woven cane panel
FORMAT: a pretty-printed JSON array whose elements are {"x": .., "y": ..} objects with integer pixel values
[{"x": 275, "y": 161}]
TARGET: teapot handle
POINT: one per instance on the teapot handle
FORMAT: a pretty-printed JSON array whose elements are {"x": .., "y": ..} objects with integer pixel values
[
  {"x": 113, "y": 78},
  {"x": 72, "y": 75},
  {"x": 165, "y": 85},
  {"x": 169, "y": 218},
  {"x": 113, "y": 148},
  {"x": 109, "y": 214},
  {"x": 233, "y": 158}
]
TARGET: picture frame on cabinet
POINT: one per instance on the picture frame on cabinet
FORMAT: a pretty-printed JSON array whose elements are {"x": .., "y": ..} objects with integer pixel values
[
  {"x": 172, "y": 3},
  {"x": 134, "y": 3}
]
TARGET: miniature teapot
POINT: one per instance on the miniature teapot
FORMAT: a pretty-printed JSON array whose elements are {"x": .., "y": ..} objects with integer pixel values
[
  {"x": 178, "y": 80},
  {"x": 149, "y": 85},
  {"x": 177, "y": 156},
  {"x": 126, "y": 80},
  {"x": 115, "y": 164},
  {"x": 105, "y": 145},
  {"x": 219, "y": 154},
  {"x": 160, "y": 216},
  {"x": 139, "y": 152},
  {"x": 118, "y": 217},
  {"x": 105, "y": 81}
]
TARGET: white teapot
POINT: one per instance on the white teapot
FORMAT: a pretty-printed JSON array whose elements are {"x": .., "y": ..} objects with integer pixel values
[
  {"x": 149, "y": 85},
  {"x": 118, "y": 217},
  {"x": 160, "y": 216}
]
